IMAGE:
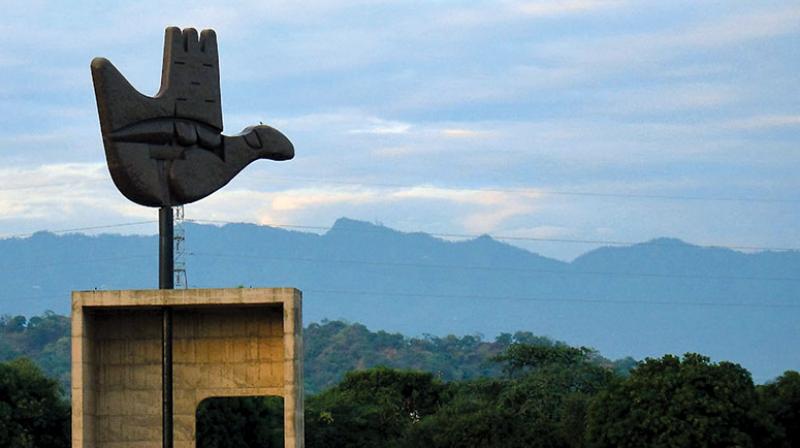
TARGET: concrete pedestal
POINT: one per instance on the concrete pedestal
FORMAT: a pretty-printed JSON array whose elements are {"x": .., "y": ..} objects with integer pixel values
[{"x": 227, "y": 343}]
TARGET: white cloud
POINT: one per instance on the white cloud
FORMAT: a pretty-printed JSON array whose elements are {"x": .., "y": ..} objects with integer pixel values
[
  {"x": 379, "y": 126},
  {"x": 550, "y": 8},
  {"x": 543, "y": 231},
  {"x": 475, "y": 211},
  {"x": 64, "y": 195},
  {"x": 462, "y": 133},
  {"x": 574, "y": 92},
  {"x": 397, "y": 151}
]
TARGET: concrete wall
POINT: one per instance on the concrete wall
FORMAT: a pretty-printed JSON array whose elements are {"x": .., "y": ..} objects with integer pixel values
[{"x": 227, "y": 343}]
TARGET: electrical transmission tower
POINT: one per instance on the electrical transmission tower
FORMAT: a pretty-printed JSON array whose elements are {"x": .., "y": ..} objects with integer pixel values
[{"x": 179, "y": 238}]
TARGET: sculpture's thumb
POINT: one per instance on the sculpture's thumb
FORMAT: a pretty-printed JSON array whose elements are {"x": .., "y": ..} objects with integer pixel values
[{"x": 119, "y": 104}]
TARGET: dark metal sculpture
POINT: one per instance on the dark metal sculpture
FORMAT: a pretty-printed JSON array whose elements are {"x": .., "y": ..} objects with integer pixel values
[{"x": 169, "y": 150}]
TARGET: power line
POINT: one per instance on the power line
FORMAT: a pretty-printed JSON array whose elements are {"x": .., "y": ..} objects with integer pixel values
[
  {"x": 447, "y": 235},
  {"x": 540, "y": 299},
  {"x": 80, "y": 229},
  {"x": 52, "y": 185},
  {"x": 515, "y": 238},
  {"x": 38, "y": 186},
  {"x": 435, "y": 234},
  {"x": 565, "y": 271},
  {"x": 282, "y": 226}
]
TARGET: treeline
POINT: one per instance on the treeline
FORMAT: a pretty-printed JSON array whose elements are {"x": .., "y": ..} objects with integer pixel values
[
  {"x": 548, "y": 396},
  {"x": 332, "y": 348},
  {"x": 557, "y": 397},
  {"x": 367, "y": 389}
]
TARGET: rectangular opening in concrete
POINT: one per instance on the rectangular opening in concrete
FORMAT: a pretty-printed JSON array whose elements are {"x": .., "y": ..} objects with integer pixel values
[{"x": 240, "y": 422}]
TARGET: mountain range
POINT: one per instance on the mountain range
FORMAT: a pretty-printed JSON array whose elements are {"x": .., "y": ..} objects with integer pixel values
[{"x": 660, "y": 296}]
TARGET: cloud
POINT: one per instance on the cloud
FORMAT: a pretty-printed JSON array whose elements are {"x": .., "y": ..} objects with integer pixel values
[
  {"x": 292, "y": 200},
  {"x": 63, "y": 195},
  {"x": 551, "y": 8},
  {"x": 505, "y": 11},
  {"x": 671, "y": 98},
  {"x": 515, "y": 83},
  {"x": 74, "y": 195},
  {"x": 614, "y": 95},
  {"x": 472, "y": 210},
  {"x": 765, "y": 122},
  {"x": 462, "y": 133},
  {"x": 622, "y": 52},
  {"x": 736, "y": 29},
  {"x": 397, "y": 151},
  {"x": 543, "y": 231},
  {"x": 74, "y": 174},
  {"x": 379, "y": 126}
]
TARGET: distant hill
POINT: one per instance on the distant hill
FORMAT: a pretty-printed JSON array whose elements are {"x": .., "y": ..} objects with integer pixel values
[{"x": 660, "y": 296}]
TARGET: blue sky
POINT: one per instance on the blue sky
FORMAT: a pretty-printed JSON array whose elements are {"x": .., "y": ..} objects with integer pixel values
[{"x": 440, "y": 116}]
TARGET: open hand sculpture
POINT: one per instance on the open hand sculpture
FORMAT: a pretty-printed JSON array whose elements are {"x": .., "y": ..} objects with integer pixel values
[{"x": 169, "y": 149}]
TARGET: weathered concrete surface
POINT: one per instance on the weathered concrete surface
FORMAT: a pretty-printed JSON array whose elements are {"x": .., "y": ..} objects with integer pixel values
[{"x": 227, "y": 342}]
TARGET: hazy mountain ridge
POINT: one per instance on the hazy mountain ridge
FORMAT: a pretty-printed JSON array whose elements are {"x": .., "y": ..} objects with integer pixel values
[{"x": 660, "y": 296}]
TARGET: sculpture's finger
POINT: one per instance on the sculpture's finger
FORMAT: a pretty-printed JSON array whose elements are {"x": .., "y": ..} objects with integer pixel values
[
  {"x": 208, "y": 43},
  {"x": 190, "y": 41},
  {"x": 173, "y": 50},
  {"x": 173, "y": 43}
]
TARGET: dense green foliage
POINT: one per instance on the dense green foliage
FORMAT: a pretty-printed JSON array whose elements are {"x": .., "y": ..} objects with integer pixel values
[
  {"x": 685, "y": 401},
  {"x": 238, "y": 422},
  {"x": 781, "y": 401},
  {"x": 543, "y": 404},
  {"x": 371, "y": 408},
  {"x": 33, "y": 411},
  {"x": 44, "y": 339},
  {"x": 557, "y": 396},
  {"x": 332, "y": 348},
  {"x": 519, "y": 390}
]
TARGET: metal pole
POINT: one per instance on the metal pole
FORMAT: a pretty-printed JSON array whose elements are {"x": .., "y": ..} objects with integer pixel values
[
  {"x": 166, "y": 280},
  {"x": 165, "y": 248}
]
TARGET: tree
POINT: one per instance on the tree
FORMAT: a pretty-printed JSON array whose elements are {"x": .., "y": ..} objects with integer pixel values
[
  {"x": 676, "y": 402},
  {"x": 472, "y": 417},
  {"x": 240, "y": 422},
  {"x": 375, "y": 407},
  {"x": 542, "y": 404},
  {"x": 521, "y": 357},
  {"x": 33, "y": 411},
  {"x": 14, "y": 324},
  {"x": 781, "y": 400}
]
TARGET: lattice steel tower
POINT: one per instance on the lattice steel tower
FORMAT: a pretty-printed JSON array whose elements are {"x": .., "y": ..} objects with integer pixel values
[{"x": 179, "y": 237}]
